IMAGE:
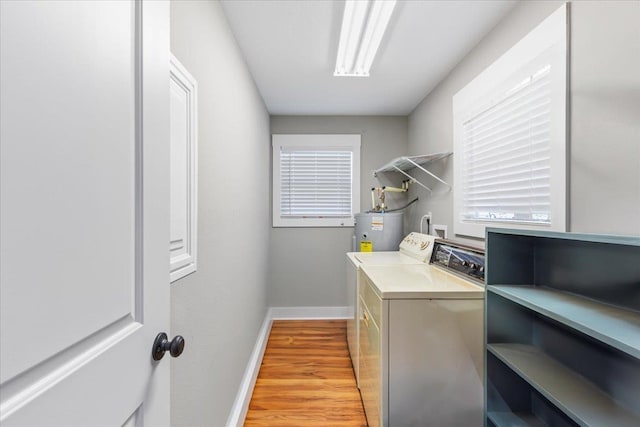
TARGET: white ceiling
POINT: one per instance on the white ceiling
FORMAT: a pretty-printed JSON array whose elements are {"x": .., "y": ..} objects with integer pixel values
[{"x": 290, "y": 47}]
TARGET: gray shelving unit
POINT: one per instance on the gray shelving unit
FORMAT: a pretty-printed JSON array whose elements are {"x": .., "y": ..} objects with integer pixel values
[{"x": 562, "y": 330}]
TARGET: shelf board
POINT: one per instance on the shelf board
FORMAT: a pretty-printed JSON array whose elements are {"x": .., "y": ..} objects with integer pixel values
[
  {"x": 581, "y": 237},
  {"x": 617, "y": 327},
  {"x": 514, "y": 419},
  {"x": 405, "y": 163},
  {"x": 575, "y": 396}
]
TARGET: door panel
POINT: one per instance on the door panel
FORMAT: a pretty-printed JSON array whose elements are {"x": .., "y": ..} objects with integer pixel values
[
  {"x": 71, "y": 264},
  {"x": 84, "y": 159}
]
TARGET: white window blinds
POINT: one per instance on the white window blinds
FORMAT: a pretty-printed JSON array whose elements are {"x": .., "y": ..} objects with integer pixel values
[
  {"x": 506, "y": 176},
  {"x": 315, "y": 183},
  {"x": 316, "y": 180},
  {"x": 509, "y": 133}
]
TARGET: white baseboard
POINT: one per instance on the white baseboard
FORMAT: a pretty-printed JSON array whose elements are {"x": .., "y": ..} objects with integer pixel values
[
  {"x": 245, "y": 391},
  {"x": 310, "y": 313},
  {"x": 243, "y": 398}
]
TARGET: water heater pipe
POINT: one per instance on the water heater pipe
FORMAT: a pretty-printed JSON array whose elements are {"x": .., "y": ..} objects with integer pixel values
[{"x": 397, "y": 209}]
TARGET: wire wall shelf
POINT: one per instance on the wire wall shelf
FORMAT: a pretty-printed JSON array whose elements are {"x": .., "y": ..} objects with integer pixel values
[{"x": 408, "y": 163}]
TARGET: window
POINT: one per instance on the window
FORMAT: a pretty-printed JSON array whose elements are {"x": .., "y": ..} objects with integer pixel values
[
  {"x": 510, "y": 137},
  {"x": 316, "y": 180}
]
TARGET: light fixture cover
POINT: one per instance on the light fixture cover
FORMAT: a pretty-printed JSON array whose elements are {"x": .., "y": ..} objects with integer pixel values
[{"x": 363, "y": 25}]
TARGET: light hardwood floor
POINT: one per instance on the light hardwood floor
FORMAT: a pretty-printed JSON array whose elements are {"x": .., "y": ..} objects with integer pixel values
[{"x": 306, "y": 378}]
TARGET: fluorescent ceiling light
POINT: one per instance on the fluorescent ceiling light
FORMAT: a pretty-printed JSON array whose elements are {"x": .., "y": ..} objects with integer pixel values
[{"x": 363, "y": 25}]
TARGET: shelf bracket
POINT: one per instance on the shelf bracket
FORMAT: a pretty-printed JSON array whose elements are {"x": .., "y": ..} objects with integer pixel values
[
  {"x": 413, "y": 180},
  {"x": 426, "y": 171}
]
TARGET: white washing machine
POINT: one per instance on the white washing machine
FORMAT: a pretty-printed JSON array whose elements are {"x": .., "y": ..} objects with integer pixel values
[
  {"x": 415, "y": 248},
  {"x": 421, "y": 340}
]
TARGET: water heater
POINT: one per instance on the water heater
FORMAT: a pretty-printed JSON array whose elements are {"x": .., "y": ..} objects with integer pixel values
[{"x": 378, "y": 231}]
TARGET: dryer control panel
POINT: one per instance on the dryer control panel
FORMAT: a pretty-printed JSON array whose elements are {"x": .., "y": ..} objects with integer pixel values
[{"x": 460, "y": 259}]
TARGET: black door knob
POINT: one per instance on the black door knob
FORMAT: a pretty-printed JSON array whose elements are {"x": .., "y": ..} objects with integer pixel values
[{"x": 162, "y": 344}]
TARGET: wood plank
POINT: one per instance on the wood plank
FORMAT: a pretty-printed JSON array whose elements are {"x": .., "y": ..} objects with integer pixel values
[{"x": 306, "y": 378}]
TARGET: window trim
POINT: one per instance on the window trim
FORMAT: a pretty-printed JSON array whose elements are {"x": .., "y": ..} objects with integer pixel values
[
  {"x": 345, "y": 142},
  {"x": 548, "y": 39}
]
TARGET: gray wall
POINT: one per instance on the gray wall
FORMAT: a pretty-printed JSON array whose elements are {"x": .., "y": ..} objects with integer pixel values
[
  {"x": 605, "y": 118},
  {"x": 307, "y": 265},
  {"x": 219, "y": 308},
  {"x": 605, "y": 125}
]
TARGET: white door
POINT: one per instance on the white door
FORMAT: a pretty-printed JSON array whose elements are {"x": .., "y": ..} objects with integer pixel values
[{"x": 84, "y": 213}]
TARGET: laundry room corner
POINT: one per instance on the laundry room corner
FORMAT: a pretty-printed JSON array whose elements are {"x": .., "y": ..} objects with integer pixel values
[{"x": 307, "y": 266}]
